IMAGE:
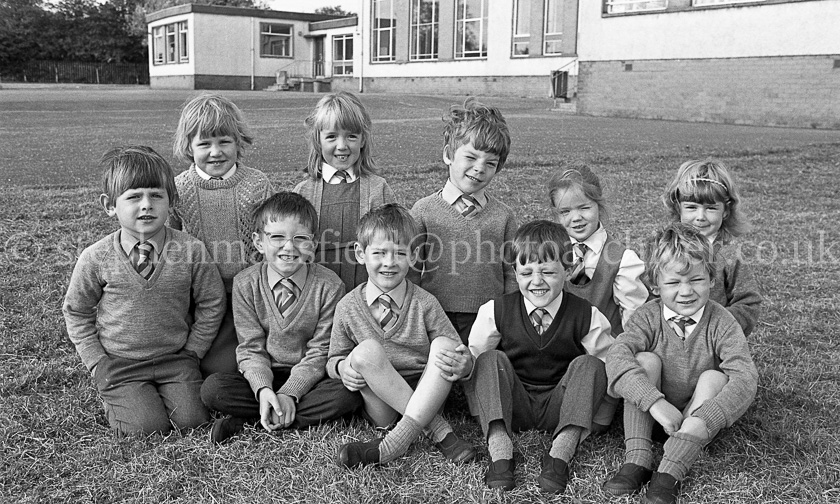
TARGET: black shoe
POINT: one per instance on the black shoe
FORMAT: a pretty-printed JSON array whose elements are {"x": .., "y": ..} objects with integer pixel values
[
  {"x": 629, "y": 479},
  {"x": 357, "y": 454},
  {"x": 456, "y": 449},
  {"x": 663, "y": 489},
  {"x": 554, "y": 475},
  {"x": 225, "y": 428},
  {"x": 500, "y": 474}
]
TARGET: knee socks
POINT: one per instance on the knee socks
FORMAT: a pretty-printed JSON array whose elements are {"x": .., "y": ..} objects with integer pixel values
[
  {"x": 681, "y": 450},
  {"x": 399, "y": 439},
  {"x": 637, "y": 443},
  {"x": 499, "y": 443}
]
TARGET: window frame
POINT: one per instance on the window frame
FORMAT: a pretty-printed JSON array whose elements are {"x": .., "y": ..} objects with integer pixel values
[
  {"x": 552, "y": 39},
  {"x": 521, "y": 39},
  {"x": 634, "y": 6},
  {"x": 344, "y": 64},
  {"x": 431, "y": 29},
  {"x": 461, "y": 23},
  {"x": 378, "y": 32},
  {"x": 266, "y": 34},
  {"x": 170, "y": 43}
]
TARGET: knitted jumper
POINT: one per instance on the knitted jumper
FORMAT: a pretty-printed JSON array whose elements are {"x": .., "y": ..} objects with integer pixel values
[
  {"x": 542, "y": 359},
  {"x": 220, "y": 213},
  {"x": 599, "y": 290},
  {"x": 462, "y": 261},
  {"x": 299, "y": 340},
  {"x": 407, "y": 343},
  {"x": 110, "y": 310},
  {"x": 735, "y": 286},
  {"x": 717, "y": 342}
]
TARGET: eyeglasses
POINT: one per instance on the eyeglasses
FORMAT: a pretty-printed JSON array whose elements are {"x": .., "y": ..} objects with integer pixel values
[{"x": 300, "y": 240}]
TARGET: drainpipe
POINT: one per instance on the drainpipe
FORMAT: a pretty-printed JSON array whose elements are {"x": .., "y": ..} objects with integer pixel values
[
  {"x": 253, "y": 60},
  {"x": 361, "y": 25}
]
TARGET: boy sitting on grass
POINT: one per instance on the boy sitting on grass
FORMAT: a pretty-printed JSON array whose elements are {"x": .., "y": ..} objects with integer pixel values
[
  {"x": 283, "y": 310},
  {"x": 539, "y": 363},
  {"x": 127, "y": 307},
  {"x": 682, "y": 362},
  {"x": 385, "y": 334}
]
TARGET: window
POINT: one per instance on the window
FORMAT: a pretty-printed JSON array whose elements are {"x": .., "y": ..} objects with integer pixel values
[
  {"x": 699, "y": 3},
  {"x": 553, "y": 26},
  {"x": 343, "y": 55},
  {"x": 521, "y": 27},
  {"x": 424, "y": 29},
  {"x": 169, "y": 43},
  {"x": 275, "y": 40},
  {"x": 620, "y": 6},
  {"x": 471, "y": 28},
  {"x": 384, "y": 27}
]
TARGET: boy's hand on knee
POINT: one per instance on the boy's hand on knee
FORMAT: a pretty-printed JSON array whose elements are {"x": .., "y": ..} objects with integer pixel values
[
  {"x": 454, "y": 364},
  {"x": 667, "y": 415},
  {"x": 352, "y": 379}
]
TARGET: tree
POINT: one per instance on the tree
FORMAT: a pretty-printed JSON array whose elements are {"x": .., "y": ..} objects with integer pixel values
[{"x": 336, "y": 10}]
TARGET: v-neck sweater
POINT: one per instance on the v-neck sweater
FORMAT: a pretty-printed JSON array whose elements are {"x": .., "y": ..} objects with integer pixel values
[
  {"x": 111, "y": 310},
  {"x": 299, "y": 340}
]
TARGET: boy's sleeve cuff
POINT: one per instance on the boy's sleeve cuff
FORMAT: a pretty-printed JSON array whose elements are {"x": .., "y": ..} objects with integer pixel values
[
  {"x": 712, "y": 415},
  {"x": 259, "y": 379}
]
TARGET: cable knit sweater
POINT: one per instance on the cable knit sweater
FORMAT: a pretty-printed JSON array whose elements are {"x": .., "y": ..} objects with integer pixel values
[
  {"x": 110, "y": 310},
  {"x": 461, "y": 262},
  {"x": 717, "y": 342},
  {"x": 299, "y": 340},
  {"x": 219, "y": 213}
]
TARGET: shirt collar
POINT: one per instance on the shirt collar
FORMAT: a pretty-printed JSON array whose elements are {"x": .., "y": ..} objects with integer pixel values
[
  {"x": 450, "y": 194},
  {"x": 127, "y": 242},
  {"x": 201, "y": 173},
  {"x": 327, "y": 172},
  {"x": 596, "y": 240},
  {"x": 552, "y": 308},
  {"x": 298, "y": 277},
  {"x": 696, "y": 316},
  {"x": 397, "y": 294}
]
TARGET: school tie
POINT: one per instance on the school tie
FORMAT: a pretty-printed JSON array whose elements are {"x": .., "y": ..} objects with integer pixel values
[
  {"x": 682, "y": 322},
  {"x": 342, "y": 176},
  {"x": 142, "y": 259},
  {"x": 286, "y": 293},
  {"x": 470, "y": 205},
  {"x": 389, "y": 314},
  {"x": 578, "y": 274},
  {"x": 538, "y": 318}
]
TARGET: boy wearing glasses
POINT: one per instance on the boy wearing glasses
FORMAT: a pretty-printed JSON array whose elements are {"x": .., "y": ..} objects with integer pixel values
[{"x": 283, "y": 311}]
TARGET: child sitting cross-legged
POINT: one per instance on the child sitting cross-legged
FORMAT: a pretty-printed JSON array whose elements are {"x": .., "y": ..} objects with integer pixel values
[
  {"x": 539, "y": 365},
  {"x": 385, "y": 335},
  {"x": 682, "y": 365}
]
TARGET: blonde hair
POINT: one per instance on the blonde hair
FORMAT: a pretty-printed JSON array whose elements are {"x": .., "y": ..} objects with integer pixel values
[
  {"x": 136, "y": 167},
  {"x": 707, "y": 182},
  {"x": 391, "y": 222},
  {"x": 577, "y": 176},
  {"x": 341, "y": 110},
  {"x": 679, "y": 244},
  {"x": 210, "y": 115},
  {"x": 539, "y": 241},
  {"x": 480, "y": 124}
]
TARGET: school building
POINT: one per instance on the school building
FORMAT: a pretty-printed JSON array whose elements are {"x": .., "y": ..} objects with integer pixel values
[{"x": 770, "y": 62}]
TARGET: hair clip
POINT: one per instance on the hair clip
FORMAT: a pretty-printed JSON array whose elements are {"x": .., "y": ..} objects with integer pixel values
[{"x": 713, "y": 181}]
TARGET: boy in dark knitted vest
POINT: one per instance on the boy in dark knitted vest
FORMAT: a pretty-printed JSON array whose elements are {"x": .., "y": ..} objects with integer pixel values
[
  {"x": 127, "y": 307},
  {"x": 539, "y": 363},
  {"x": 682, "y": 362},
  {"x": 386, "y": 334},
  {"x": 462, "y": 225},
  {"x": 283, "y": 309},
  {"x": 217, "y": 196}
]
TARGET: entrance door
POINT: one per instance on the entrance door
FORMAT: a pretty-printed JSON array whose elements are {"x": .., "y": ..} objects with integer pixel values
[{"x": 318, "y": 57}]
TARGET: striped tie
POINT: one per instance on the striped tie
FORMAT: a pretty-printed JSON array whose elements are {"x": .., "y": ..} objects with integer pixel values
[
  {"x": 682, "y": 322},
  {"x": 578, "y": 274},
  {"x": 143, "y": 259},
  {"x": 389, "y": 315},
  {"x": 286, "y": 293},
  {"x": 471, "y": 205},
  {"x": 537, "y": 318},
  {"x": 342, "y": 176}
]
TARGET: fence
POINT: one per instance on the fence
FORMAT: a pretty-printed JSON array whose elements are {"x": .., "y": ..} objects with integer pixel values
[{"x": 78, "y": 72}]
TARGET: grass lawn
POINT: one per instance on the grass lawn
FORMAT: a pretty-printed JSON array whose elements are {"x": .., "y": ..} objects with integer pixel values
[{"x": 55, "y": 444}]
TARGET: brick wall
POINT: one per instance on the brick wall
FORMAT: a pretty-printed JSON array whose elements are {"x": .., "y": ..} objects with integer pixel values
[
  {"x": 524, "y": 86},
  {"x": 800, "y": 91}
]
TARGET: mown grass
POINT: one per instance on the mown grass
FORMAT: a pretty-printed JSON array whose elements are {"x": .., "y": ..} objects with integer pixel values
[{"x": 56, "y": 445}]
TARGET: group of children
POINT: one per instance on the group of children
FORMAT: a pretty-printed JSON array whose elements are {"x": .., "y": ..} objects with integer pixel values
[{"x": 298, "y": 307}]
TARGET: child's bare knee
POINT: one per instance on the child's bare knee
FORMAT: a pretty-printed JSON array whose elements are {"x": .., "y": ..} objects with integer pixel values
[
  {"x": 368, "y": 354},
  {"x": 439, "y": 344},
  {"x": 650, "y": 362},
  {"x": 712, "y": 380}
]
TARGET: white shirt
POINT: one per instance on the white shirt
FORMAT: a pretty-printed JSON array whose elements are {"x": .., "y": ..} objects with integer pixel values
[
  {"x": 667, "y": 313},
  {"x": 629, "y": 292},
  {"x": 485, "y": 335},
  {"x": 452, "y": 195},
  {"x": 372, "y": 293},
  {"x": 228, "y": 174},
  {"x": 328, "y": 174}
]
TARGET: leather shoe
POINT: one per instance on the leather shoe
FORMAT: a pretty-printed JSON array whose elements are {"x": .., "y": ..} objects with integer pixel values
[
  {"x": 357, "y": 454},
  {"x": 500, "y": 474},
  {"x": 554, "y": 475},
  {"x": 225, "y": 428},
  {"x": 456, "y": 449},
  {"x": 629, "y": 479},
  {"x": 663, "y": 489}
]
